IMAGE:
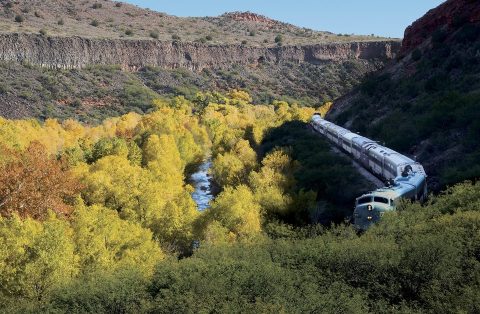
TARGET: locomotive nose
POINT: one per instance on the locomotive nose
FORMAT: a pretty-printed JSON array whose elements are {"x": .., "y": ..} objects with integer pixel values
[{"x": 364, "y": 216}]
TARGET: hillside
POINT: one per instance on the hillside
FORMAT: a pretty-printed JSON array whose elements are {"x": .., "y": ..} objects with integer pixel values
[
  {"x": 426, "y": 104},
  {"x": 109, "y": 19},
  {"x": 72, "y": 68}
]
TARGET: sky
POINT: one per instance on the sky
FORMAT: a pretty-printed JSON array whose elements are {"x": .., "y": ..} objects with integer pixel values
[{"x": 387, "y": 18}]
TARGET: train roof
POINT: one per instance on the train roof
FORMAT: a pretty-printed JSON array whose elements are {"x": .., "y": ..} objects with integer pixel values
[
  {"x": 402, "y": 186},
  {"x": 391, "y": 192},
  {"x": 361, "y": 140},
  {"x": 393, "y": 156}
]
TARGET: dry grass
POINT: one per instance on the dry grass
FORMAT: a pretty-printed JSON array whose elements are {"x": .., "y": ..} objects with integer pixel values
[{"x": 127, "y": 21}]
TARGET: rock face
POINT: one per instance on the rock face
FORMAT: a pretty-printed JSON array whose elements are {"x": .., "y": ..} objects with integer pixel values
[
  {"x": 78, "y": 52},
  {"x": 447, "y": 15}
]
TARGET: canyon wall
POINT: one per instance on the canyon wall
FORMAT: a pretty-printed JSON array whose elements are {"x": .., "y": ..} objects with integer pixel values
[
  {"x": 78, "y": 52},
  {"x": 448, "y": 16}
]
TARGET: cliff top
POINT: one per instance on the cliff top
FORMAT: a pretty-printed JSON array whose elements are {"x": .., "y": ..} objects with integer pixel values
[{"x": 109, "y": 19}]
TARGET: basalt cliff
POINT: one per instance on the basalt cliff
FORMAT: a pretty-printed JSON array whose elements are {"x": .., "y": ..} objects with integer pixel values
[{"x": 132, "y": 54}]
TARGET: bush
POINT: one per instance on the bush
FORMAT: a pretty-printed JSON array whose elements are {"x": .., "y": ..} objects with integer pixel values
[
  {"x": 439, "y": 36},
  {"x": 467, "y": 33},
  {"x": 416, "y": 54},
  {"x": 244, "y": 42},
  {"x": 43, "y": 32},
  {"x": 208, "y": 37},
  {"x": 61, "y": 22},
  {"x": 118, "y": 4},
  {"x": 19, "y": 18},
  {"x": 154, "y": 34},
  {"x": 279, "y": 39},
  {"x": 94, "y": 23},
  {"x": 97, "y": 6},
  {"x": 175, "y": 37},
  {"x": 129, "y": 32}
]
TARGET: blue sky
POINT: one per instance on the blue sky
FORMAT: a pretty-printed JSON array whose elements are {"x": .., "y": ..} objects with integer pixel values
[{"x": 380, "y": 17}]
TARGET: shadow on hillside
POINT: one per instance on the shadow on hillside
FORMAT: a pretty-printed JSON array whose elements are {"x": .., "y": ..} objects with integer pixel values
[{"x": 333, "y": 177}]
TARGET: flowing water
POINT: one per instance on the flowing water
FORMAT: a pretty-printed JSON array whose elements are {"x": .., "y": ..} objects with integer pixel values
[{"x": 202, "y": 183}]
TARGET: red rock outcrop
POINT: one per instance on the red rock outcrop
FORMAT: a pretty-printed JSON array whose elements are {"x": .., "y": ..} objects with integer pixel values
[
  {"x": 251, "y": 17},
  {"x": 449, "y": 14}
]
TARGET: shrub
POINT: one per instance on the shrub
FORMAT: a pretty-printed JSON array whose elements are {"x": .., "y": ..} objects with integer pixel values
[
  {"x": 439, "y": 36},
  {"x": 97, "y": 6},
  {"x": 175, "y": 37},
  {"x": 244, "y": 42},
  {"x": 118, "y": 4},
  {"x": 416, "y": 54},
  {"x": 94, "y": 23},
  {"x": 278, "y": 38},
  {"x": 3, "y": 89},
  {"x": 37, "y": 14},
  {"x": 129, "y": 32},
  {"x": 154, "y": 34},
  {"x": 43, "y": 32},
  {"x": 252, "y": 33},
  {"x": 208, "y": 37},
  {"x": 61, "y": 22},
  {"x": 467, "y": 33},
  {"x": 19, "y": 18}
]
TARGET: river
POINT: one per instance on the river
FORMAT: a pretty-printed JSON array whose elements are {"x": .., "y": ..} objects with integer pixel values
[{"x": 201, "y": 181}]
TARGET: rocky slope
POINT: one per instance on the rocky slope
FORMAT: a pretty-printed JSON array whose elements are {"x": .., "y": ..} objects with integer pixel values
[
  {"x": 448, "y": 15},
  {"x": 426, "y": 104},
  {"x": 78, "y": 52}
]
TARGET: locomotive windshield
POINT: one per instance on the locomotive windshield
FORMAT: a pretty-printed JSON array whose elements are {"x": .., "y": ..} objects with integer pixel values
[
  {"x": 380, "y": 200},
  {"x": 364, "y": 200}
]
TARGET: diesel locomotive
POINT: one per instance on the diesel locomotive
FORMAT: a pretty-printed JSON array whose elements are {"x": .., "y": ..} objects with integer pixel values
[{"x": 406, "y": 178}]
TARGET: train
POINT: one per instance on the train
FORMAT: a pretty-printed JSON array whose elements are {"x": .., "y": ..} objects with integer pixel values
[{"x": 405, "y": 178}]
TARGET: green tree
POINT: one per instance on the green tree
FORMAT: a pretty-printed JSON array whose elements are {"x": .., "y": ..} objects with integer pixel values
[
  {"x": 35, "y": 257},
  {"x": 237, "y": 210},
  {"x": 103, "y": 241}
]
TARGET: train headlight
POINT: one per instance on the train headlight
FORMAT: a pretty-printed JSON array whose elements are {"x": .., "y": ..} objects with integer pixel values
[
  {"x": 369, "y": 217},
  {"x": 370, "y": 207}
]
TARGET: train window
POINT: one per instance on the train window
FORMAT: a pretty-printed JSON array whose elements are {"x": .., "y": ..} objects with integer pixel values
[
  {"x": 364, "y": 200},
  {"x": 378, "y": 199}
]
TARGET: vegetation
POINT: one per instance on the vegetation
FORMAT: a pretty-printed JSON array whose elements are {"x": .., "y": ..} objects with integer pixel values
[
  {"x": 19, "y": 18},
  {"x": 95, "y": 218},
  {"x": 111, "y": 200},
  {"x": 154, "y": 34},
  {"x": 97, "y": 92}
]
